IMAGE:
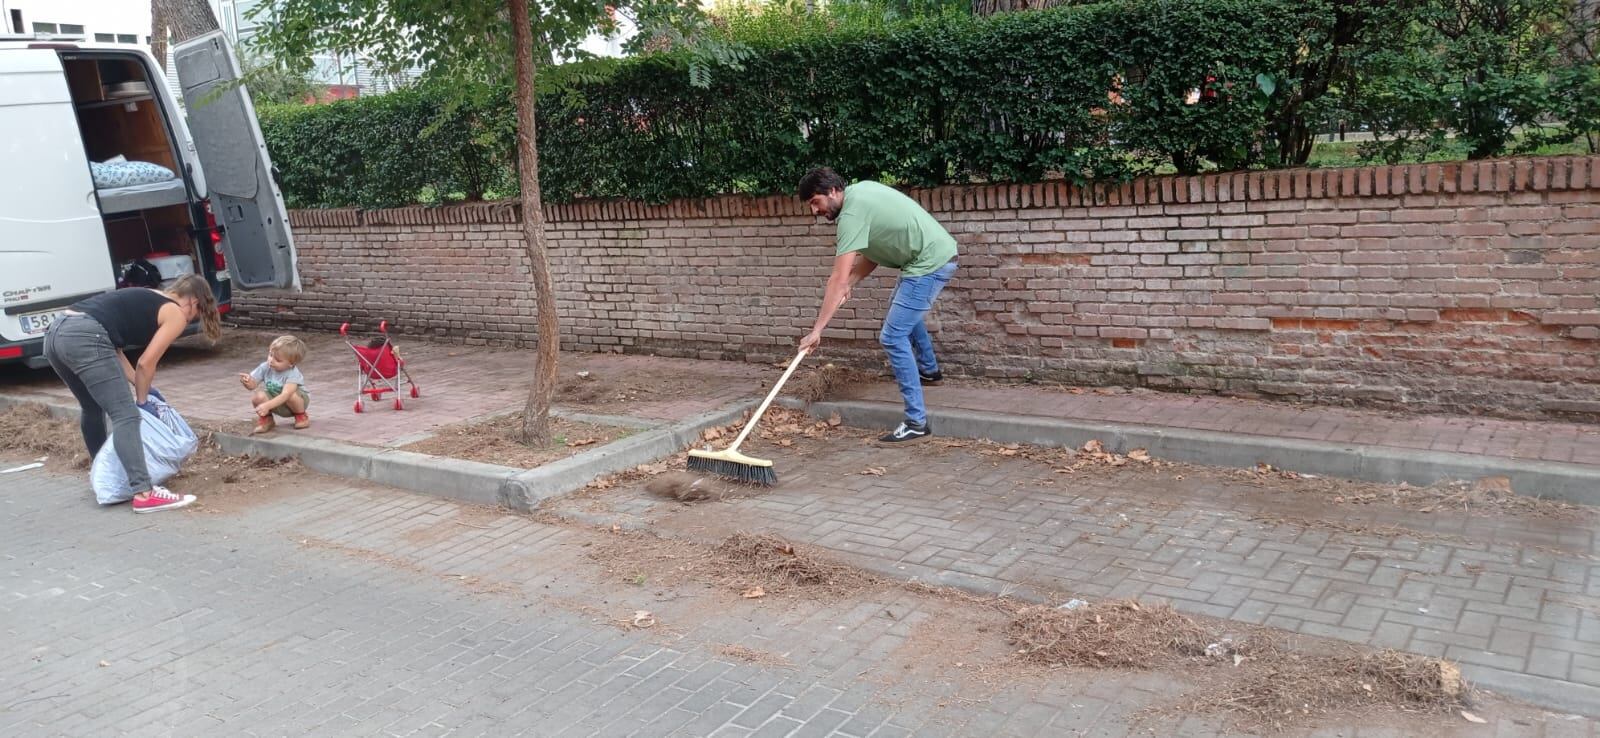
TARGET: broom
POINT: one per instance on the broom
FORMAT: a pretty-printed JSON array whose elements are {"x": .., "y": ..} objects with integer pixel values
[{"x": 734, "y": 465}]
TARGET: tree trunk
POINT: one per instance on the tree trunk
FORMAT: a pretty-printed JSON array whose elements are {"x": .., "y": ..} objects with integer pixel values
[
  {"x": 993, "y": 7},
  {"x": 185, "y": 18},
  {"x": 536, "y": 415}
]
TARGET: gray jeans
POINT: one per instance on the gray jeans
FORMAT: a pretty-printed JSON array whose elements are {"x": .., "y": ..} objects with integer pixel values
[{"x": 82, "y": 355}]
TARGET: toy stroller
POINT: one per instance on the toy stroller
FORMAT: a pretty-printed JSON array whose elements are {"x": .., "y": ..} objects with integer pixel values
[{"x": 379, "y": 368}]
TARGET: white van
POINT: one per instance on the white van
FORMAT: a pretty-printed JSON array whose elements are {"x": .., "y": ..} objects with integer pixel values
[{"x": 80, "y": 126}]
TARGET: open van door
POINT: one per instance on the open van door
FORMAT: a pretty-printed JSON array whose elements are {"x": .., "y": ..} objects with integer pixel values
[
  {"x": 238, "y": 172},
  {"x": 52, "y": 242}
]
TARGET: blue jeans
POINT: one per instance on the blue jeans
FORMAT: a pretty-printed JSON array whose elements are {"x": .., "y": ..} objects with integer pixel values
[
  {"x": 82, "y": 355},
  {"x": 905, "y": 336}
]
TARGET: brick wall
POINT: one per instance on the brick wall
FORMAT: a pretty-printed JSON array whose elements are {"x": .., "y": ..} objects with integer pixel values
[{"x": 1467, "y": 287}]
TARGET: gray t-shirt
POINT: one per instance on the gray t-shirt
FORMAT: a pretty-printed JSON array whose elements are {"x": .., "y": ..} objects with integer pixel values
[{"x": 274, "y": 382}]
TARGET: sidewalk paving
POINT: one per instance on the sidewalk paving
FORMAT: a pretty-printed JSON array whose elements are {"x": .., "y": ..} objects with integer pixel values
[
  {"x": 458, "y": 383},
  {"x": 1513, "y": 597},
  {"x": 1512, "y": 439},
  {"x": 334, "y": 610}
]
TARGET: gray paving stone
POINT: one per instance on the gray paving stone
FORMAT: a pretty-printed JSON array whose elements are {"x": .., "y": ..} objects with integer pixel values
[{"x": 265, "y": 636}]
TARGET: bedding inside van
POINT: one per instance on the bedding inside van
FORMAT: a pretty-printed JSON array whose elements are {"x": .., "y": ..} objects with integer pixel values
[
  {"x": 135, "y": 185},
  {"x": 112, "y": 174}
]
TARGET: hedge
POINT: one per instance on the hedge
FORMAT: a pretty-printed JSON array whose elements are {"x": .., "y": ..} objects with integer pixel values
[{"x": 1017, "y": 97}]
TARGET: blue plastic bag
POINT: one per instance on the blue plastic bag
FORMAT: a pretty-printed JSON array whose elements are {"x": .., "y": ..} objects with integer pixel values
[{"x": 168, "y": 442}]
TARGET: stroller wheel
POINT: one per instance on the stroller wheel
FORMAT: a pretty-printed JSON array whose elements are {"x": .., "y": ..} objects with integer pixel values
[
  {"x": 398, "y": 405},
  {"x": 415, "y": 392},
  {"x": 358, "y": 406}
]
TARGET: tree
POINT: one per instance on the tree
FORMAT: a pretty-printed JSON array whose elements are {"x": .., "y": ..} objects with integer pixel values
[
  {"x": 272, "y": 83},
  {"x": 536, "y": 415},
  {"x": 1338, "y": 29},
  {"x": 1481, "y": 70},
  {"x": 185, "y": 18},
  {"x": 470, "y": 45}
]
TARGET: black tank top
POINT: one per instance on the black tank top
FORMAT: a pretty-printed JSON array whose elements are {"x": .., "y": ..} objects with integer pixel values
[{"x": 128, "y": 315}]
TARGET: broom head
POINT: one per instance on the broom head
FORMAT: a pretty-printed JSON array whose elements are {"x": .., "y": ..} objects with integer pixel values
[{"x": 733, "y": 465}]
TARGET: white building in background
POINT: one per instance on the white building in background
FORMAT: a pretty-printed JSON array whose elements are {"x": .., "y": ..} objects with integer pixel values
[
  {"x": 601, "y": 44},
  {"x": 128, "y": 22},
  {"x": 104, "y": 21}
]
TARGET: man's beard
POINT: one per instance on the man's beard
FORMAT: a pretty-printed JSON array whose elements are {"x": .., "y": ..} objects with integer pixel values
[{"x": 833, "y": 212}]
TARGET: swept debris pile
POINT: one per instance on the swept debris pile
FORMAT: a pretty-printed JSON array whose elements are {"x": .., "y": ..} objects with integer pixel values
[
  {"x": 1292, "y": 689},
  {"x": 1274, "y": 687},
  {"x": 826, "y": 383},
  {"x": 685, "y": 486},
  {"x": 1114, "y": 634},
  {"x": 773, "y": 564}
]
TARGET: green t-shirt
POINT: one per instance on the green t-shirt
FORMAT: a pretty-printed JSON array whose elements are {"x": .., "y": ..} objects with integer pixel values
[{"x": 892, "y": 230}]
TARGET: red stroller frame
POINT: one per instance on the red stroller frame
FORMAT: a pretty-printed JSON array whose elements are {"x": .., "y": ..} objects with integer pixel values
[{"x": 378, "y": 370}]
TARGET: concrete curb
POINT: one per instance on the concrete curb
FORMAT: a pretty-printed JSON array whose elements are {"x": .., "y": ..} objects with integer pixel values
[
  {"x": 1549, "y": 479},
  {"x": 467, "y": 481},
  {"x": 526, "y": 490}
]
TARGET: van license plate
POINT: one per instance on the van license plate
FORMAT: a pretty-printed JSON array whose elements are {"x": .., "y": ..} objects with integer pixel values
[{"x": 36, "y": 323}]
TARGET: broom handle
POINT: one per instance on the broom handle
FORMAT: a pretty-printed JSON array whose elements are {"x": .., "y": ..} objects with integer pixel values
[{"x": 764, "y": 403}]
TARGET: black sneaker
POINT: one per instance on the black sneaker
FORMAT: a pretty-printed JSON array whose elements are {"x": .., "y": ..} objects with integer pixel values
[
  {"x": 931, "y": 380},
  {"x": 907, "y": 432}
]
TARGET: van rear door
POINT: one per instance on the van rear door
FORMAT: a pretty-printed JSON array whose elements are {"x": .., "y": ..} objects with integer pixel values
[
  {"x": 238, "y": 172},
  {"x": 52, "y": 242}
]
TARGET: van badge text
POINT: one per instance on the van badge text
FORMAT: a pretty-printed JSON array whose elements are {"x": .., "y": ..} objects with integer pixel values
[{"x": 10, "y": 296}]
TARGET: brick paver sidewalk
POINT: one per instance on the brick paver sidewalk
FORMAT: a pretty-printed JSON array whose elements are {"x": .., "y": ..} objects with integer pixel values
[
  {"x": 1518, "y": 594},
  {"x": 1533, "y": 440},
  {"x": 328, "y": 610}
]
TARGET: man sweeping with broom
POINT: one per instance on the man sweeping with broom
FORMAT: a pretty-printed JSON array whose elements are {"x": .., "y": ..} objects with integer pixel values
[{"x": 879, "y": 226}]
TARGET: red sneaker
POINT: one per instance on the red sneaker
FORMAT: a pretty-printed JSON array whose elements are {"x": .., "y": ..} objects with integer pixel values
[
  {"x": 264, "y": 424},
  {"x": 302, "y": 421},
  {"x": 161, "y": 498}
]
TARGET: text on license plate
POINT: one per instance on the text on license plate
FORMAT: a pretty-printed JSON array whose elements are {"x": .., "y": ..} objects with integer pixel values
[{"x": 35, "y": 323}]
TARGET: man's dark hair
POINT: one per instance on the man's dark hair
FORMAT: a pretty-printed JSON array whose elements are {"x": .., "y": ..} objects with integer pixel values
[{"x": 820, "y": 181}]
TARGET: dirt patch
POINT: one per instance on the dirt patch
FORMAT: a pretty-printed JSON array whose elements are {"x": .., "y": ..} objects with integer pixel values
[
  {"x": 827, "y": 382},
  {"x": 615, "y": 393},
  {"x": 1395, "y": 531},
  {"x": 31, "y": 430},
  {"x": 466, "y": 519},
  {"x": 1490, "y": 497},
  {"x": 225, "y": 483},
  {"x": 471, "y": 582},
  {"x": 956, "y": 639},
  {"x": 754, "y": 566},
  {"x": 493, "y": 441},
  {"x": 754, "y": 656}
]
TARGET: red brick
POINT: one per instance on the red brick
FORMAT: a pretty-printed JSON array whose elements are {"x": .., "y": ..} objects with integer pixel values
[{"x": 1042, "y": 275}]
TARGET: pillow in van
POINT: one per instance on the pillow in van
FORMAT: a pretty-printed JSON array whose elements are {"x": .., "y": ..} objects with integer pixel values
[{"x": 110, "y": 175}]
